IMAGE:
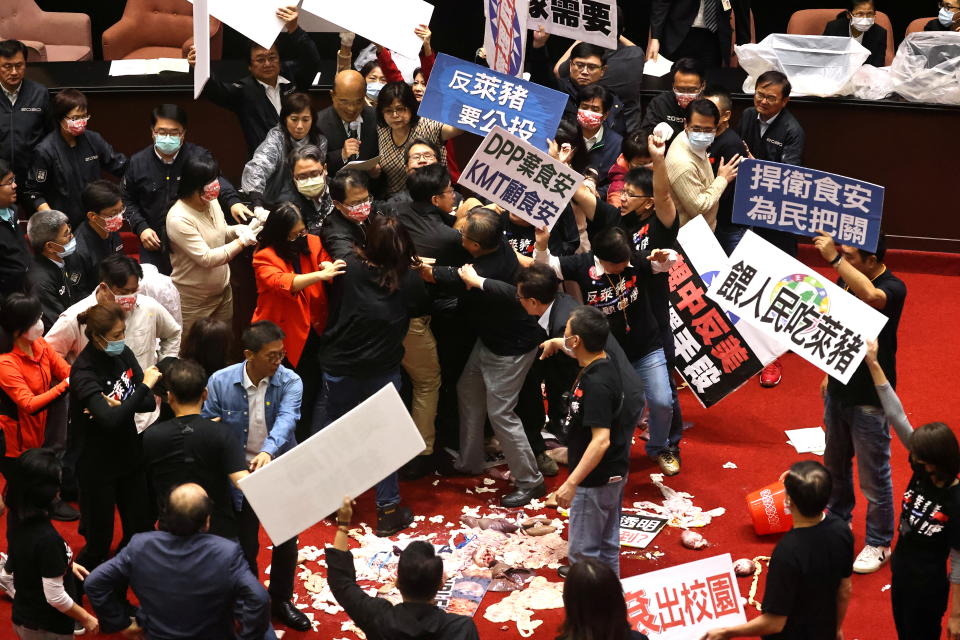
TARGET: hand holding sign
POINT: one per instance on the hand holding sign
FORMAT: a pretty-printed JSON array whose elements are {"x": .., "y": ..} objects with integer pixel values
[{"x": 825, "y": 245}]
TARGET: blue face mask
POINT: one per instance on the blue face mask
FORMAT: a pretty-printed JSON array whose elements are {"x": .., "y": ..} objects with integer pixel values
[
  {"x": 699, "y": 140},
  {"x": 68, "y": 248},
  {"x": 373, "y": 89},
  {"x": 945, "y": 17},
  {"x": 114, "y": 347},
  {"x": 168, "y": 145}
]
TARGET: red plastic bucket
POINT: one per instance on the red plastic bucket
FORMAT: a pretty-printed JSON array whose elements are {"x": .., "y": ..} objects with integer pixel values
[{"x": 767, "y": 509}]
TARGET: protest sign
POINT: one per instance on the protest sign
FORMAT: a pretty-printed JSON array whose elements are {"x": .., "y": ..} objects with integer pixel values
[
  {"x": 638, "y": 530},
  {"x": 201, "y": 45},
  {"x": 712, "y": 356},
  {"x": 476, "y": 99},
  {"x": 797, "y": 306},
  {"x": 309, "y": 482},
  {"x": 593, "y": 21},
  {"x": 803, "y": 201},
  {"x": 685, "y": 601},
  {"x": 505, "y": 34},
  {"x": 255, "y": 19},
  {"x": 525, "y": 181},
  {"x": 389, "y": 24}
]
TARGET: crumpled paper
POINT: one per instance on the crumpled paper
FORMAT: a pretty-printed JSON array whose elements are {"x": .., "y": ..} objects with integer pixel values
[{"x": 677, "y": 507}]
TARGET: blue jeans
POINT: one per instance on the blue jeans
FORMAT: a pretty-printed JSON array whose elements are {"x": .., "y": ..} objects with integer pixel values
[
  {"x": 665, "y": 432},
  {"x": 729, "y": 236},
  {"x": 860, "y": 431},
  {"x": 595, "y": 524},
  {"x": 343, "y": 394}
]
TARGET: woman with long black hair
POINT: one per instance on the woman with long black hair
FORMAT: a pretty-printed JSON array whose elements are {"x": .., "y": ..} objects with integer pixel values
[{"x": 594, "y": 604}]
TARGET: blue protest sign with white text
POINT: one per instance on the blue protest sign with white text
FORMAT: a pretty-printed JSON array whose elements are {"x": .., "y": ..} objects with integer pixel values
[
  {"x": 803, "y": 201},
  {"x": 477, "y": 99}
]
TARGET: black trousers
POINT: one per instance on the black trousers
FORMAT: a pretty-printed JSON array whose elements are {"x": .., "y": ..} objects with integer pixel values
[
  {"x": 454, "y": 343},
  {"x": 283, "y": 565},
  {"x": 919, "y": 601},
  {"x": 701, "y": 44},
  {"x": 313, "y": 406},
  {"x": 99, "y": 495}
]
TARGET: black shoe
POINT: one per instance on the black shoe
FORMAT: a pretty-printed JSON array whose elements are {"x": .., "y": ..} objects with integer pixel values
[
  {"x": 63, "y": 512},
  {"x": 292, "y": 617},
  {"x": 563, "y": 571},
  {"x": 417, "y": 468},
  {"x": 393, "y": 519},
  {"x": 521, "y": 497}
]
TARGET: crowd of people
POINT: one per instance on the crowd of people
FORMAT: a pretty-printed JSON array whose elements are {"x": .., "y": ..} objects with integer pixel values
[{"x": 124, "y": 389}]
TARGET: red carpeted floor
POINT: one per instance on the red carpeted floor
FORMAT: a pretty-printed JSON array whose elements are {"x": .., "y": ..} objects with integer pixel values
[{"x": 747, "y": 429}]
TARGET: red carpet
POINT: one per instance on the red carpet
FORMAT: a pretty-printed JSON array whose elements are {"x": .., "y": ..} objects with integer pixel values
[{"x": 747, "y": 429}]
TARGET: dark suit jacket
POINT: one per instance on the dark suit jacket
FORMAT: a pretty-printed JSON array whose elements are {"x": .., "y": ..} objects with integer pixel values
[
  {"x": 875, "y": 39},
  {"x": 671, "y": 20},
  {"x": 783, "y": 141},
  {"x": 333, "y": 128},
  {"x": 200, "y": 604}
]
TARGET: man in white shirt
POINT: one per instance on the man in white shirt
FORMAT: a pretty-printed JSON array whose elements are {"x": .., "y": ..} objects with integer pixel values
[{"x": 151, "y": 332}]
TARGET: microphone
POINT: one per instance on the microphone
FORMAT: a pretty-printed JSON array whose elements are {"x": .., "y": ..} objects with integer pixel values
[{"x": 355, "y": 134}]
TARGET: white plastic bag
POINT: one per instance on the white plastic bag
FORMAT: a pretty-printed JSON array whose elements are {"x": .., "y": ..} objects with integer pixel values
[
  {"x": 870, "y": 83},
  {"x": 927, "y": 67},
  {"x": 815, "y": 65}
]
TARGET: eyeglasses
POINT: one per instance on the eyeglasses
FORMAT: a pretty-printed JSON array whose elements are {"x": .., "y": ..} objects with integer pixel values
[
  {"x": 269, "y": 59},
  {"x": 950, "y": 7},
  {"x": 168, "y": 132},
  {"x": 589, "y": 66},
  {"x": 447, "y": 192},
  {"x": 77, "y": 118},
  {"x": 306, "y": 175},
  {"x": 13, "y": 66},
  {"x": 9, "y": 183},
  {"x": 703, "y": 129},
  {"x": 627, "y": 194},
  {"x": 396, "y": 112},
  {"x": 426, "y": 155},
  {"x": 766, "y": 97},
  {"x": 367, "y": 200},
  {"x": 275, "y": 356}
]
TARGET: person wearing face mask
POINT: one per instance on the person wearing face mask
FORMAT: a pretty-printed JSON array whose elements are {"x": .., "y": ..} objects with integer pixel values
[
  {"x": 345, "y": 228},
  {"x": 14, "y": 254},
  {"x": 603, "y": 144},
  {"x": 291, "y": 266},
  {"x": 309, "y": 183},
  {"x": 695, "y": 190},
  {"x": 255, "y": 99},
  {"x": 948, "y": 18},
  {"x": 69, "y": 158},
  {"x": 107, "y": 389},
  {"x": 32, "y": 377},
  {"x": 634, "y": 156},
  {"x": 54, "y": 274},
  {"x": 670, "y": 106},
  {"x": 726, "y": 145},
  {"x": 928, "y": 525},
  {"x": 265, "y": 174},
  {"x": 98, "y": 236},
  {"x": 373, "y": 76},
  {"x": 349, "y": 123},
  {"x": 858, "y": 22},
  {"x": 202, "y": 244},
  {"x": 152, "y": 333},
  {"x": 151, "y": 181}
]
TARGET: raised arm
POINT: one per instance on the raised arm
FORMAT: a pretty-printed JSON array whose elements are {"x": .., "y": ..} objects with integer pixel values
[
  {"x": 892, "y": 407},
  {"x": 663, "y": 203}
]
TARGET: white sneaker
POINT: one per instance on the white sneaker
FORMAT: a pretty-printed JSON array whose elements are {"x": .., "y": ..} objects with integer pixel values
[
  {"x": 870, "y": 559},
  {"x": 6, "y": 579}
]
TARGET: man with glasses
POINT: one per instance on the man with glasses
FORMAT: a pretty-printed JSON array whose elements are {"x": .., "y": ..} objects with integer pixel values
[
  {"x": 14, "y": 255},
  {"x": 859, "y": 22},
  {"x": 948, "y": 18},
  {"x": 772, "y": 133},
  {"x": 695, "y": 190},
  {"x": 259, "y": 401},
  {"x": 308, "y": 171},
  {"x": 345, "y": 228},
  {"x": 349, "y": 124},
  {"x": 255, "y": 99},
  {"x": 24, "y": 109},
  {"x": 152, "y": 178},
  {"x": 670, "y": 106},
  {"x": 99, "y": 235}
]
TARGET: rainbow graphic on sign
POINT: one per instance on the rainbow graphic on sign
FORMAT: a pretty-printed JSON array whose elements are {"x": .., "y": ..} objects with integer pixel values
[{"x": 808, "y": 288}]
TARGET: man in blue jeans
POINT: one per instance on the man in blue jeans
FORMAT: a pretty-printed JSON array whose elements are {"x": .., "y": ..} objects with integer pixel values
[
  {"x": 853, "y": 416},
  {"x": 259, "y": 399},
  {"x": 598, "y": 444},
  {"x": 617, "y": 281}
]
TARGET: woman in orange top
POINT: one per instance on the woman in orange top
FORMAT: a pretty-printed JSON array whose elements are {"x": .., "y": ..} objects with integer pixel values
[{"x": 290, "y": 266}]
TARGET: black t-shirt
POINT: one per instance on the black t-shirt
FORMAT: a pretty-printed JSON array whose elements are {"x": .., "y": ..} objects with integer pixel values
[
  {"x": 929, "y": 528},
  {"x": 37, "y": 551},
  {"x": 194, "y": 449},
  {"x": 594, "y": 404},
  {"x": 564, "y": 237},
  {"x": 646, "y": 234},
  {"x": 860, "y": 389},
  {"x": 805, "y": 572},
  {"x": 621, "y": 297},
  {"x": 725, "y": 146}
]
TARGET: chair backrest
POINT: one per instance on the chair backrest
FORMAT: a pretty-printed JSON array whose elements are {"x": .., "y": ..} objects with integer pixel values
[
  {"x": 160, "y": 23},
  {"x": 812, "y": 22},
  {"x": 20, "y": 19},
  {"x": 918, "y": 25}
]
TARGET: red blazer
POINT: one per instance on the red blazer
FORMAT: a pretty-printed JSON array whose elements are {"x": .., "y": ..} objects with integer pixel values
[
  {"x": 28, "y": 387},
  {"x": 293, "y": 312}
]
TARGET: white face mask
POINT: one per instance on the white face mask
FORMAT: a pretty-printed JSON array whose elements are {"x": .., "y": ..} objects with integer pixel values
[
  {"x": 35, "y": 331},
  {"x": 862, "y": 24}
]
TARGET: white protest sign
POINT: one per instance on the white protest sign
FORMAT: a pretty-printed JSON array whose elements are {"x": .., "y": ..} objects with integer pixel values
[
  {"x": 201, "y": 44},
  {"x": 793, "y": 304},
  {"x": 389, "y": 24},
  {"x": 520, "y": 178},
  {"x": 313, "y": 24},
  {"x": 685, "y": 601},
  {"x": 709, "y": 259},
  {"x": 309, "y": 482},
  {"x": 255, "y": 19},
  {"x": 593, "y": 21}
]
